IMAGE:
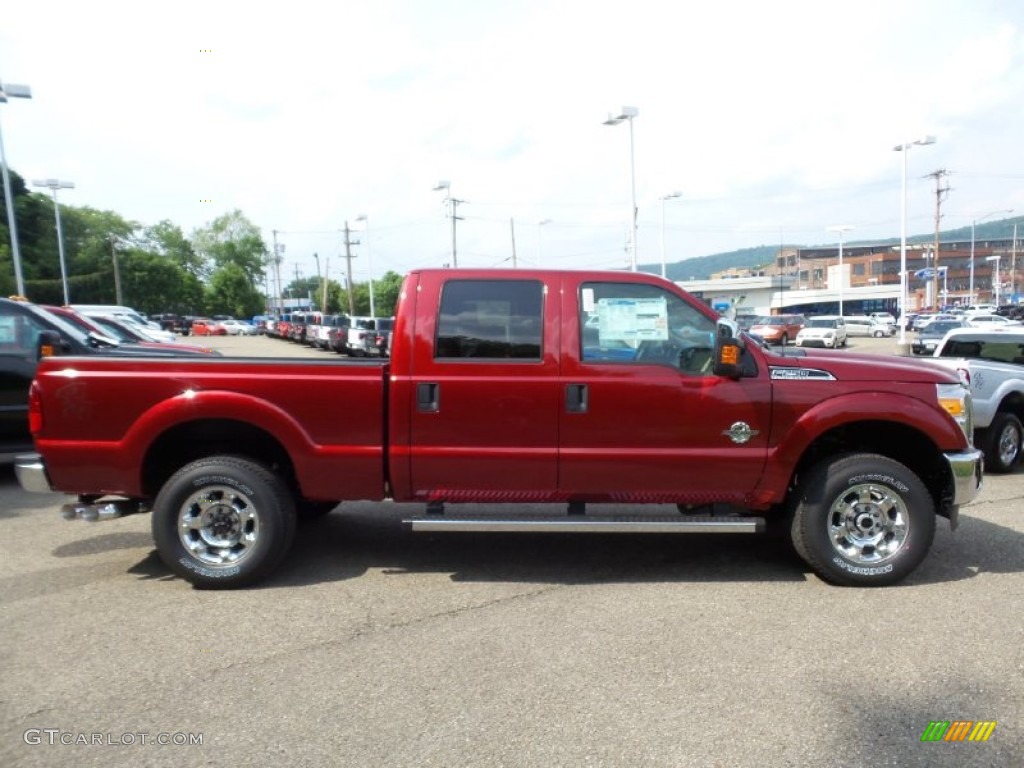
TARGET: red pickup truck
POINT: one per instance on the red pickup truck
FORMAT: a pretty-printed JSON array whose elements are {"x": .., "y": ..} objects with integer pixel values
[{"x": 519, "y": 386}]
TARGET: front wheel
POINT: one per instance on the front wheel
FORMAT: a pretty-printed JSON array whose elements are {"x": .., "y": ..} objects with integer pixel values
[
  {"x": 1002, "y": 449},
  {"x": 223, "y": 522},
  {"x": 862, "y": 520}
]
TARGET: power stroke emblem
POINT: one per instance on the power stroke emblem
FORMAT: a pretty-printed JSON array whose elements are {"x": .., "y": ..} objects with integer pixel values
[{"x": 740, "y": 432}]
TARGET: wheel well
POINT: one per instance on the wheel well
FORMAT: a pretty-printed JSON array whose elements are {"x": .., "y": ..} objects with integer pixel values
[
  {"x": 897, "y": 441},
  {"x": 1013, "y": 403},
  {"x": 194, "y": 440}
]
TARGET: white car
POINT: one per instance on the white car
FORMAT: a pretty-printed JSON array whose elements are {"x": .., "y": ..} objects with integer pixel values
[
  {"x": 868, "y": 326},
  {"x": 238, "y": 328},
  {"x": 823, "y": 331},
  {"x": 979, "y": 320}
]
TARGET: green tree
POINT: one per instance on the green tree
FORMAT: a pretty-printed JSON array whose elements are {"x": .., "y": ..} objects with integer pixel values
[
  {"x": 231, "y": 293},
  {"x": 167, "y": 239},
  {"x": 232, "y": 239}
]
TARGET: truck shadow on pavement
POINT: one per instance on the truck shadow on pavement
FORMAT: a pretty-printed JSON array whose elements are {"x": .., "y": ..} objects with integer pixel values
[{"x": 358, "y": 537}]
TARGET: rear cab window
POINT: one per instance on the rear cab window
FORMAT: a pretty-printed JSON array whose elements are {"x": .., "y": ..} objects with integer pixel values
[{"x": 490, "y": 320}]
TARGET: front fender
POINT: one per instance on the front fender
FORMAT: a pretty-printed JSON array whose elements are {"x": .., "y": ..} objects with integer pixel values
[{"x": 907, "y": 411}]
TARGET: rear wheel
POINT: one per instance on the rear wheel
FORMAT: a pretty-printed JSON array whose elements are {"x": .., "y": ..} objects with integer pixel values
[
  {"x": 1003, "y": 446},
  {"x": 223, "y": 522},
  {"x": 862, "y": 520}
]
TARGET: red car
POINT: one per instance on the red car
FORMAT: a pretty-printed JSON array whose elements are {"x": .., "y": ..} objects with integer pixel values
[{"x": 204, "y": 326}]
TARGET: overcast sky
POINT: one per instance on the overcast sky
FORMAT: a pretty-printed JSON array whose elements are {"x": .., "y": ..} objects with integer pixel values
[{"x": 774, "y": 120}]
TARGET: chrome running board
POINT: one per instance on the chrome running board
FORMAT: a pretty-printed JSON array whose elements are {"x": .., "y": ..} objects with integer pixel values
[{"x": 588, "y": 524}]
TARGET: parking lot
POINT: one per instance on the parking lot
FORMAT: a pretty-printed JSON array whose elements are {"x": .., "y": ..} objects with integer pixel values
[{"x": 374, "y": 646}]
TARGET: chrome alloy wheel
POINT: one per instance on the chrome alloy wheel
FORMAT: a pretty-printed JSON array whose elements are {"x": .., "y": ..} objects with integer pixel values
[
  {"x": 1008, "y": 444},
  {"x": 218, "y": 525},
  {"x": 868, "y": 523}
]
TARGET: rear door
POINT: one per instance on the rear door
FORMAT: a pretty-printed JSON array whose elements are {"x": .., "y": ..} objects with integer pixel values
[{"x": 484, "y": 389}]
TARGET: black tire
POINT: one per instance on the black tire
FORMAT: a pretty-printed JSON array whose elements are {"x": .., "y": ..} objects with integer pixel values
[
  {"x": 784, "y": 340},
  {"x": 223, "y": 522},
  {"x": 1002, "y": 445},
  {"x": 862, "y": 520}
]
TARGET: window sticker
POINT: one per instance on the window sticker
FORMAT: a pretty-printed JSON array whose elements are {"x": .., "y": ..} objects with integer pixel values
[{"x": 632, "y": 320}]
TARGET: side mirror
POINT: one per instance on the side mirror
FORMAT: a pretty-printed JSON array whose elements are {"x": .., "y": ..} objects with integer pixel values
[
  {"x": 728, "y": 350},
  {"x": 48, "y": 344}
]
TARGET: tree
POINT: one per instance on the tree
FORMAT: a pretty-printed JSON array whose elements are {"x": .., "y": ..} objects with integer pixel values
[
  {"x": 167, "y": 239},
  {"x": 231, "y": 293},
  {"x": 232, "y": 239}
]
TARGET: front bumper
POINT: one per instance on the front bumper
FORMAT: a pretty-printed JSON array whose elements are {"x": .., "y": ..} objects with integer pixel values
[
  {"x": 967, "y": 475},
  {"x": 31, "y": 473}
]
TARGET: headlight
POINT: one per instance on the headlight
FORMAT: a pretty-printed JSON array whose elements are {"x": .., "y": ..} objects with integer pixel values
[{"x": 955, "y": 399}]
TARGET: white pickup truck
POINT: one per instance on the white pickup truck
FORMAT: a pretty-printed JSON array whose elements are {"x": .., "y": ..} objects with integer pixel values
[{"x": 991, "y": 363}]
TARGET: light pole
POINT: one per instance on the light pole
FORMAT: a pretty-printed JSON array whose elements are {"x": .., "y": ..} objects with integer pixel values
[
  {"x": 627, "y": 114},
  {"x": 905, "y": 148},
  {"x": 995, "y": 276},
  {"x": 53, "y": 185},
  {"x": 451, "y": 203},
  {"x": 840, "y": 228},
  {"x": 669, "y": 196},
  {"x": 974, "y": 223},
  {"x": 540, "y": 243},
  {"x": 10, "y": 90},
  {"x": 369, "y": 264}
]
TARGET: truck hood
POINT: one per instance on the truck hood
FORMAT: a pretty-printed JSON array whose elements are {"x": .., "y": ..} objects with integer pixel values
[{"x": 853, "y": 366}]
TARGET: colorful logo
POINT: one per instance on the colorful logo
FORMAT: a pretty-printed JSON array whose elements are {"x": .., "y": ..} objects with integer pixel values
[{"x": 958, "y": 730}]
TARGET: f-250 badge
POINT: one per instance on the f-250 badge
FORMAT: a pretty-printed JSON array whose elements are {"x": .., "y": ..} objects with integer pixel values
[{"x": 740, "y": 432}]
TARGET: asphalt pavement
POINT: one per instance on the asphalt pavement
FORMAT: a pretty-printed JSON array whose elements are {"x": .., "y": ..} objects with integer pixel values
[{"x": 375, "y": 646}]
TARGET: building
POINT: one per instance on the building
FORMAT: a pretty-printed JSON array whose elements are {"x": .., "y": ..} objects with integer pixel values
[{"x": 812, "y": 281}]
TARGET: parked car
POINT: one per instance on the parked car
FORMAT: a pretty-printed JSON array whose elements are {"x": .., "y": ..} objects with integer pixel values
[
  {"x": 204, "y": 326},
  {"x": 124, "y": 333},
  {"x": 26, "y": 330},
  {"x": 929, "y": 337},
  {"x": 237, "y": 327},
  {"x": 868, "y": 326},
  {"x": 778, "y": 329},
  {"x": 385, "y": 327},
  {"x": 823, "y": 331},
  {"x": 983, "y": 320},
  {"x": 884, "y": 317},
  {"x": 991, "y": 362},
  {"x": 328, "y": 329}
]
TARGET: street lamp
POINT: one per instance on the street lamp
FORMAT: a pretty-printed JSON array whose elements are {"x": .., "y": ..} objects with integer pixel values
[
  {"x": 669, "y": 196},
  {"x": 450, "y": 202},
  {"x": 840, "y": 228},
  {"x": 10, "y": 90},
  {"x": 369, "y": 264},
  {"x": 974, "y": 223},
  {"x": 905, "y": 148},
  {"x": 995, "y": 276},
  {"x": 540, "y": 244},
  {"x": 53, "y": 185},
  {"x": 627, "y": 114}
]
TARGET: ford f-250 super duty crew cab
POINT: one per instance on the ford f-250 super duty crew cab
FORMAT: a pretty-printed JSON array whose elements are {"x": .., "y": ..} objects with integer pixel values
[{"x": 518, "y": 386}]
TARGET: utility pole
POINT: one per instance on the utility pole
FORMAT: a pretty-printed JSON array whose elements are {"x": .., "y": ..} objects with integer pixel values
[
  {"x": 1013, "y": 263},
  {"x": 117, "y": 271},
  {"x": 348, "y": 260},
  {"x": 278, "y": 250},
  {"x": 455, "y": 218},
  {"x": 940, "y": 195}
]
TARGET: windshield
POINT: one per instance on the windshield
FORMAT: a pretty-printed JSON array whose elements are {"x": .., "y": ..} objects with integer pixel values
[
  {"x": 769, "y": 321},
  {"x": 821, "y": 322}
]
